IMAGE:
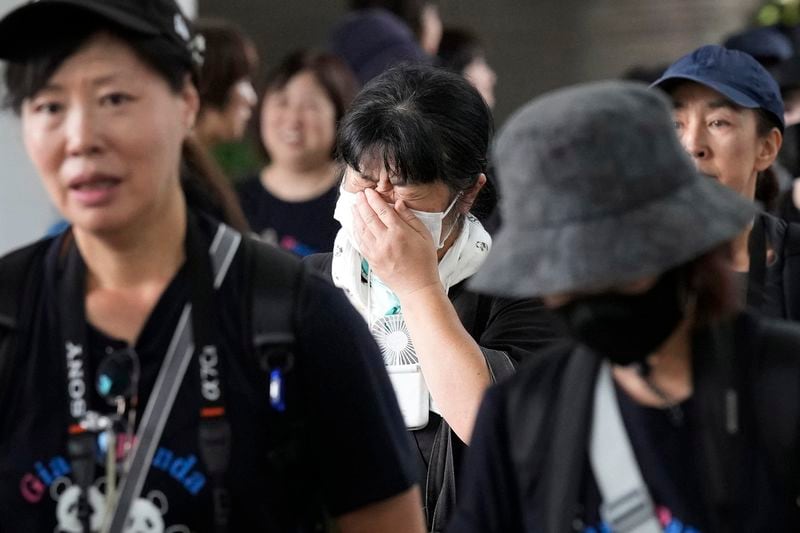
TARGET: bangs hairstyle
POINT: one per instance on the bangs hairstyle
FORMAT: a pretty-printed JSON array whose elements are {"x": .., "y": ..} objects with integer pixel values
[
  {"x": 330, "y": 71},
  {"x": 202, "y": 183},
  {"x": 26, "y": 78},
  {"x": 424, "y": 124},
  {"x": 230, "y": 56}
]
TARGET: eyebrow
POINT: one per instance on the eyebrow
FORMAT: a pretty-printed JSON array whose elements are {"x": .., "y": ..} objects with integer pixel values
[{"x": 95, "y": 83}]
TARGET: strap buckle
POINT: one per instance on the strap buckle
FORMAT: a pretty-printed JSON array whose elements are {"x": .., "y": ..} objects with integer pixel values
[{"x": 631, "y": 512}]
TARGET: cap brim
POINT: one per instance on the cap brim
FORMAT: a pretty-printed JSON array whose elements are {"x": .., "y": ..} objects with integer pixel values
[
  {"x": 737, "y": 97},
  {"x": 20, "y": 28},
  {"x": 604, "y": 252}
]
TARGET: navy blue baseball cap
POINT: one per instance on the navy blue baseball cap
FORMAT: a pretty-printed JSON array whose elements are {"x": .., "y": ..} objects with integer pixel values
[{"x": 734, "y": 74}]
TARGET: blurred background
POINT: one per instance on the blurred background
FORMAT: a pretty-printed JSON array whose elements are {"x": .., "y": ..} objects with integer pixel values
[{"x": 532, "y": 45}]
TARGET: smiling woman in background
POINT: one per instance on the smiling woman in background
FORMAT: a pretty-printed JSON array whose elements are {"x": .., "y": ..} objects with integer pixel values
[{"x": 290, "y": 202}]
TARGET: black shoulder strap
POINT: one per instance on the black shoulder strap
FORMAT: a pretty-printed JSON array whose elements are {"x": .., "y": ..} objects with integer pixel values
[
  {"x": 791, "y": 270},
  {"x": 778, "y": 401},
  {"x": 275, "y": 282},
  {"x": 275, "y": 277},
  {"x": 550, "y": 439},
  {"x": 15, "y": 280}
]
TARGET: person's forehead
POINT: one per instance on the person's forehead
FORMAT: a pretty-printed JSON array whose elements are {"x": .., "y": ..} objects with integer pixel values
[{"x": 688, "y": 93}]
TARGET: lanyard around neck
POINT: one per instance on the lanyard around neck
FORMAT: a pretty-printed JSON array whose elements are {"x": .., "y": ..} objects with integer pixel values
[{"x": 194, "y": 334}]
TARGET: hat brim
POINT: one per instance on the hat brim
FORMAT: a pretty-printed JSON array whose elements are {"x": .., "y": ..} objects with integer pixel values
[
  {"x": 737, "y": 97},
  {"x": 20, "y": 27},
  {"x": 617, "y": 248}
]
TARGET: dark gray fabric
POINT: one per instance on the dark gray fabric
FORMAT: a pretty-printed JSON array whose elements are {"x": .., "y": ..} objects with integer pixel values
[{"x": 598, "y": 192}]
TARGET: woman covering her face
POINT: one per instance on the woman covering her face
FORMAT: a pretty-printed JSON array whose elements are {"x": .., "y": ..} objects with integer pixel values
[
  {"x": 133, "y": 354},
  {"x": 414, "y": 152},
  {"x": 290, "y": 201}
]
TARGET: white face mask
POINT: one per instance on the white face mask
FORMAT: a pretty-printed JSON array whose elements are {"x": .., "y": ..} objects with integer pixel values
[
  {"x": 343, "y": 213},
  {"x": 434, "y": 221}
]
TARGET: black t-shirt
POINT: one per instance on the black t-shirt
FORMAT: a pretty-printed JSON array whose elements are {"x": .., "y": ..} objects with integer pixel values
[
  {"x": 512, "y": 469},
  {"x": 303, "y": 228},
  {"x": 665, "y": 451},
  {"x": 359, "y": 450}
]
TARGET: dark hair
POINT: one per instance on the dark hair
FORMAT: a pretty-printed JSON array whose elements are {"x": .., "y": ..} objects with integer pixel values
[
  {"x": 331, "y": 73},
  {"x": 24, "y": 79},
  {"x": 426, "y": 124},
  {"x": 458, "y": 48},
  {"x": 230, "y": 56},
  {"x": 767, "y": 186},
  {"x": 712, "y": 280}
]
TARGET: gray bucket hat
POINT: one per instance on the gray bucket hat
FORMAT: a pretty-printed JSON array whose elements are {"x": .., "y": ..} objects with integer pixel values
[{"x": 598, "y": 191}]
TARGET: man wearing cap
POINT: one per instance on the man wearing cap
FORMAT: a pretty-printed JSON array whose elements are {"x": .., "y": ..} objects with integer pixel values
[
  {"x": 729, "y": 117},
  {"x": 648, "y": 421}
]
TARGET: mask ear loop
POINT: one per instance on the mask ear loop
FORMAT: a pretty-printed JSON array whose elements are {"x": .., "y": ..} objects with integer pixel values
[{"x": 443, "y": 239}]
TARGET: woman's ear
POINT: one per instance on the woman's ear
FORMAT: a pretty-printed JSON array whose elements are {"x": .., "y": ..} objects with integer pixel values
[
  {"x": 770, "y": 146},
  {"x": 472, "y": 193},
  {"x": 191, "y": 100}
]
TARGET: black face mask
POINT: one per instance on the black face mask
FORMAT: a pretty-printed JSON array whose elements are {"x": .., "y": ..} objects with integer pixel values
[{"x": 626, "y": 328}]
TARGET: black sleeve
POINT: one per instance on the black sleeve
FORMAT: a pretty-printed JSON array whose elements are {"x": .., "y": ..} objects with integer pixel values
[
  {"x": 320, "y": 263},
  {"x": 514, "y": 331},
  {"x": 488, "y": 497},
  {"x": 362, "y": 447}
]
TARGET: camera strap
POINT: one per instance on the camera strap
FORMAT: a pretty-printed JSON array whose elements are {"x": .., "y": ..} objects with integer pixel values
[
  {"x": 196, "y": 327},
  {"x": 627, "y": 506}
]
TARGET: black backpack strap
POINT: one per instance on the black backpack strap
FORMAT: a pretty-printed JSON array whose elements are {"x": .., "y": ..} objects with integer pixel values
[
  {"x": 777, "y": 386},
  {"x": 550, "y": 416},
  {"x": 276, "y": 282},
  {"x": 17, "y": 279},
  {"x": 791, "y": 271}
]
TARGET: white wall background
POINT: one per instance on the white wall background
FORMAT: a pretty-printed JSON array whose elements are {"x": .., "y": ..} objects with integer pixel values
[{"x": 25, "y": 211}]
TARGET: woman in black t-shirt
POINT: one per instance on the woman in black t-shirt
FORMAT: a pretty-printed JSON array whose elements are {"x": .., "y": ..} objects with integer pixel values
[
  {"x": 290, "y": 201},
  {"x": 671, "y": 410},
  {"x": 414, "y": 148},
  {"x": 102, "y": 350}
]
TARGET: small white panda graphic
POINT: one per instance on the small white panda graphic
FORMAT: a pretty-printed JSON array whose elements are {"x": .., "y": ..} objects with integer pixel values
[
  {"x": 145, "y": 515},
  {"x": 67, "y": 496}
]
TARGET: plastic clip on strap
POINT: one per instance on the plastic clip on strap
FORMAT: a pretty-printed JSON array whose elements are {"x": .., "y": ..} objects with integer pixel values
[
  {"x": 627, "y": 507},
  {"x": 81, "y": 449}
]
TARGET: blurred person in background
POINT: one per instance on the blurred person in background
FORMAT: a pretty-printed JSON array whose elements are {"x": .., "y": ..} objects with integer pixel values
[
  {"x": 463, "y": 52},
  {"x": 729, "y": 116},
  {"x": 414, "y": 146},
  {"x": 670, "y": 409},
  {"x": 422, "y": 16},
  {"x": 290, "y": 202},
  {"x": 227, "y": 96},
  {"x": 372, "y": 39}
]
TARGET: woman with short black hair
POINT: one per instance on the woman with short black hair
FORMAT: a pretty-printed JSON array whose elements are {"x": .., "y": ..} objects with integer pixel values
[
  {"x": 290, "y": 201},
  {"x": 414, "y": 146}
]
